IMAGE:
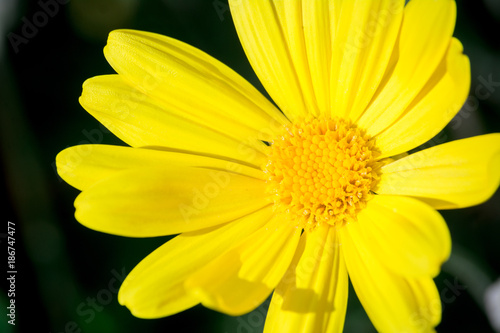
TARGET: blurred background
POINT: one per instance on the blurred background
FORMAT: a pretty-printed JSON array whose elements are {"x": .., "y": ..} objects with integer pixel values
[{"x": 68, "y": 276}]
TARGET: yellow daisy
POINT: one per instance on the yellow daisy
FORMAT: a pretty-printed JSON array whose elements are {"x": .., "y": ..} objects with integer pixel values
[{"x": 295, "y": 196}]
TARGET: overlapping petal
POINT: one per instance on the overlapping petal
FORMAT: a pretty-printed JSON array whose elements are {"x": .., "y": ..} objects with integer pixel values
[
  {"x": 269, "y": 54},
  {"x": 438, "y": 103},
  {"x": 312, "y": 297},
  {"x": 318, "y": 21},
  {"x": 456, "y": 174},
  {"x": 394, "y": 303},
  {"x": 365, "y": 35},
  {"x": 406, "y": 235},
  {"x": 167, "y": 200},
  {"x": 156, "y": 286},
  {"x": 140, "y": 120},
  {"x": 192, "y": 85},
  {"x": 328, "y": 51},
  {"x": 425, "y": 35},
  {"x": 241, "y": 279},
  {"x": 84, "y": 165}
]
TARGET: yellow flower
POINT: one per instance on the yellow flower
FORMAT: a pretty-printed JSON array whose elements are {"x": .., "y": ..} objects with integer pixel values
[{"x": 294, "y": 197}]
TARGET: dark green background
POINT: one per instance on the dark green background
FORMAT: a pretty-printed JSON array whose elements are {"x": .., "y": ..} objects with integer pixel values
[{"x": 62, "y": 264}]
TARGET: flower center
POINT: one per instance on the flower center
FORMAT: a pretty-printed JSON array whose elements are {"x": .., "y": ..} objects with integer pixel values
[{"x": 322, "y": 170}]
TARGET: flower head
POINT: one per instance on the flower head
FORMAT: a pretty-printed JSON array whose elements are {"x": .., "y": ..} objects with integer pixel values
[
  {"x": 295, "y": 197},
  {"x": 322, "y": 171}
]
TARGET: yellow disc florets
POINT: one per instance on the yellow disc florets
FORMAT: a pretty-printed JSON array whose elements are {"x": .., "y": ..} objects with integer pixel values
[{"x": 321, "y": 170}]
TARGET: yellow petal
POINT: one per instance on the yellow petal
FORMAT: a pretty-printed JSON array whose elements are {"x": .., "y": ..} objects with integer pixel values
[
  {"x": 155, "y": 287},
  {"x": 168, "y": 200},
  {"x": 270, "y": 32},
  {"x": 312, "y": 297},
  {"x": 393, "y": 303},
  {"x": 405, "y": 234},
  {"x": 289, "y": 14},
  {"x": 365, "y": 35},
  {"x": 140, "y": 120},
  {"x": 241, "y": 279},
  {"x": 443, "y": 97},
  {"x": 319, "y": 19},
  {"x": 82, "y": 166},
  {"x": 192, "y": 84},
  {"x": 424, "y": 38},
  {"x": 456, "y": 174}
]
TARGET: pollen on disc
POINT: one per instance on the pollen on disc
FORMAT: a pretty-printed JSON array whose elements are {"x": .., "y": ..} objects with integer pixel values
[{"x": 321, "y": 171}]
